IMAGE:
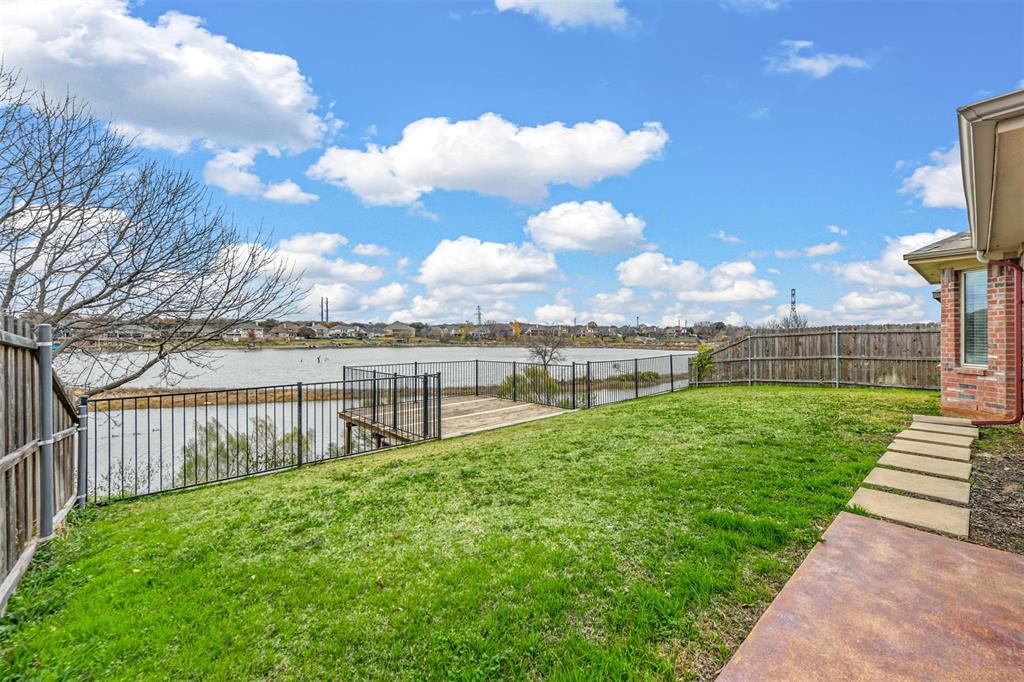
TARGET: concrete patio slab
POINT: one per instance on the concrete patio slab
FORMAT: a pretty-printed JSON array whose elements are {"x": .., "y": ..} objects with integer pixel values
[
  {"x": 933, "y": 437},
  {"x": 971, "y": 431},
  {"x": 935, "y": 419},
  {"x": 915, "y": 447},
  {"x": 928, "y": 465},
  {"x": 878, "y": 601},
  {"x": 937, "y": 516},
  {"x": 957, "y": 492}
]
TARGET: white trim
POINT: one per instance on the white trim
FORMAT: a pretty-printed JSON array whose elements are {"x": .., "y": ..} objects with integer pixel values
[{"x": 962, "y": 275}]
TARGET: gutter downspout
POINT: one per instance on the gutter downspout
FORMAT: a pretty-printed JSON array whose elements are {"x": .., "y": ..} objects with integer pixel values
[{"x": 1018, "y": 360}]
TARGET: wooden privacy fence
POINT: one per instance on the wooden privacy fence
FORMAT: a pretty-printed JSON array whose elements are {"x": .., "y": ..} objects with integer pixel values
[
  {"x": 37, "y": 467},
  {"x": 893, "y": 356}
]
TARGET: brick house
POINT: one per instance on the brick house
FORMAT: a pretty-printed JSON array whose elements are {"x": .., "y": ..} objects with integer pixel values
[{"x": 979, "y": 271}]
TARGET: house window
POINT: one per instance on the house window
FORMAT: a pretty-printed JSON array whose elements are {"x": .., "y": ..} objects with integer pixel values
[{"x": 975, "y": 317}]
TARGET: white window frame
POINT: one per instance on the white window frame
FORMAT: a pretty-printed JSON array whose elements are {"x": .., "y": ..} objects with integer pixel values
[{"x": 963, "y": 319}]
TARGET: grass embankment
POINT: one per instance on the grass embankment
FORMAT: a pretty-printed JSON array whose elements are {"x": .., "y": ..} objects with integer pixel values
[{"x": 632, "y": 541}]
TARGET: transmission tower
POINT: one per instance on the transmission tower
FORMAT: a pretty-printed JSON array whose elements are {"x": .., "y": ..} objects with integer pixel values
[{"x": 479, "y": 316}]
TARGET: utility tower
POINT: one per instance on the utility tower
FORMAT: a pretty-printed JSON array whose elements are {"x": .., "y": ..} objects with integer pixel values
[
  {"x": 479, "y": 316},
  {"x": 792, "y": 302}
]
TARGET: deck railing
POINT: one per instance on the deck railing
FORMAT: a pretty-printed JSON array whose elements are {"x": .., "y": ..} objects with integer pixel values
[
  {"x": 571, "y": 386},
  {"x": 140, "y": 445}
]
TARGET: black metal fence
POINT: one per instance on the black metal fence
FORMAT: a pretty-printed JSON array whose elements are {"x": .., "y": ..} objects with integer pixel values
[
  {"x": 151, "y": 444},
  {"x": 570, "y": 386}
]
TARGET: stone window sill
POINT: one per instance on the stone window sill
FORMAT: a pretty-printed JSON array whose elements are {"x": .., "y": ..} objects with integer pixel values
[{"x": 973, "y": 371}]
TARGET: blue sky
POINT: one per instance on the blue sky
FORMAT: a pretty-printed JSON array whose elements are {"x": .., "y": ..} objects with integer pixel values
[{"x": 661, "y": 160}]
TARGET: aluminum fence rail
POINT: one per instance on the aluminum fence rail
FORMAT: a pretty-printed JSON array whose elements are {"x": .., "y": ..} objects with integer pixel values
[
  {"x": 890, "y": 356},
  {"x": 172, "y": 441},
  {"x": 570, "y": 386}
]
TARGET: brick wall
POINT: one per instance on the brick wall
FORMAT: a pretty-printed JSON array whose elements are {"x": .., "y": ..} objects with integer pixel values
[{"x": 971, "y": 391}]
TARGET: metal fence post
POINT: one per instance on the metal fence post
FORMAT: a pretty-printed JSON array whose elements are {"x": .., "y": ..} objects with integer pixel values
[
  {"x": 671, "y": 374},
  {"x": 514, "y": 382},
  {"x": 299, "y": 442},
  {"x": 750, "y": 362},
  {"x": 373, "y": 396},
  {"x": 837, "y": 356},
  {"x": 394, "y": 401},
  {"x": 83, "y": 450},
  {"x": 636, "y": 378},
  {"x": 44, "y": 336},
  {"x": 588, "y": 384},
  {"x": 426, "y": 404},
  {"x": 477, "y": 373},
  {"x": 574, "y": 384}
]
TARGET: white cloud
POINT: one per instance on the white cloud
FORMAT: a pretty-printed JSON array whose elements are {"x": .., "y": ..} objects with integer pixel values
[
  {"x": 890, "y": 269},
  {"x": 389, "y": 296},
  {"x": 172, "y": 82},
  {"x": 818, "y": 250},
  {"x": 460, "y": 274},
  {"x": 724, "y": 236},
  {"x": 371, "y": 250},
  {"x": 792, "y": 57},
  {"x": 882, "y": 304},
  {"x": 488, "y": 155},
  {"x": 939, "y": 184},
  {"x": 688, "y": 281},
  {"x": 812, "y": 251},
  {"x": 472, "y": 267},
  {"x": 288, "y": 192},
  {"x": 564, "y": 14},
  {"x": 835, "y": 229},
  {"x": 590, "y": 226},
  {"x": 733, "y": 318},
  {"x": 656, "y": 271},
  {"x": 231, "y": 171},
  {"x": 313, "y": 253},
  {"x": 754, "y": 5},
  {"x": 559, "y": 312},
  {"x": 684, "y": 315},
  {"x": 618, "y": 307},
  {"x": 873, "y": 305}
]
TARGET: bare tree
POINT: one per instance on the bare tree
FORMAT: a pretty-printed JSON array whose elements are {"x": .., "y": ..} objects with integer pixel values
[
  {"x": 793, "y": 320},
  {"x": 546, "y": 348},
  {"x": 101, "y": 242}
]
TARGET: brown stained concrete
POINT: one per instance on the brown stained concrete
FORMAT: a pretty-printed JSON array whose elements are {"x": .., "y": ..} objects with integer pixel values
[{"x": 879, "y": 601}]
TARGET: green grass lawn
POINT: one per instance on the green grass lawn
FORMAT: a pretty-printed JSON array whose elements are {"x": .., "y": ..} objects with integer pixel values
[{"x": 638, "y": 540}]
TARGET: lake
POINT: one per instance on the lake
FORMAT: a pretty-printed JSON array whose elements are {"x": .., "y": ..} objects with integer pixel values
[{"x": 239, "y": 368}]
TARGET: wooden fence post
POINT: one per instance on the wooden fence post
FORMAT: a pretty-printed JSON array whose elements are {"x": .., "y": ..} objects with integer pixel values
[
  {"x": 750, "y": 362},
  {"x": 837, "y": 355}
]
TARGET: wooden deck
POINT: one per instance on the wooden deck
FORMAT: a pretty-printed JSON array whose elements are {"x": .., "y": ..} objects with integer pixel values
[
  {"x": 469, "y": 414},
  {"x": 460, "y": 416}
]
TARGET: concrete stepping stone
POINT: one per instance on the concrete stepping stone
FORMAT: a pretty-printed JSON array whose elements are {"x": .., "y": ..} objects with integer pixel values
[
  {"x": 928, "y": 465},
  {"x": 916, "y": 447},
  {"x": 958, "y": 492},
  {"x": 939, "y": 438},
  {"x": 925, "y": 514},
  {"x": 946, "y": 428},
  {"x": 935, "y": 419}
]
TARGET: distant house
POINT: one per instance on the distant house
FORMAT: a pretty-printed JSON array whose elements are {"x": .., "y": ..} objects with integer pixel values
[
  {"x": 284, "y": 331},
  {"x": 249, "y": 331},
  {"x": 399, "y": 330},
  {"x": 346, "y": 331}
]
